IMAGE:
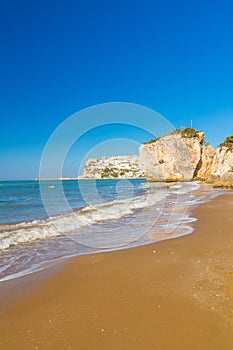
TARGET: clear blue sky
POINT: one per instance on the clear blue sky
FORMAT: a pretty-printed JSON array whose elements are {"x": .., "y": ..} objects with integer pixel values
[{"x": 58, "y": 57}]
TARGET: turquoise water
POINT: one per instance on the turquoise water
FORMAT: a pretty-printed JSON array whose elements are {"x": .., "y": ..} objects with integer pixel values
[
  {"x": 21, "y": 200},
  {"x": 101, "y": 215}
]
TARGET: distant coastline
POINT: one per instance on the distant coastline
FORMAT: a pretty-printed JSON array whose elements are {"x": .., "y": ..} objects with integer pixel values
[
  {"x": 183, "y": 155},
  {"x": 81, "y": 178},
  {"x": 56, "y": 179}
]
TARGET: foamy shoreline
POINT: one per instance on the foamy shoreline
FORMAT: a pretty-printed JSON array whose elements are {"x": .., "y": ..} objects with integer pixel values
[
  {"x": 175, "y": 294},
  {"x": 42, "y": 236}
]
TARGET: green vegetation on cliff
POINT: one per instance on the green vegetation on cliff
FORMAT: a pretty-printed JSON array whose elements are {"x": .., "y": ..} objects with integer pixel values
[
  {"x": 187, "y": 133},
  {"x": 151, "y": 141},
  {"x": 190, "y": 133},
  {"x": 228, "y": 143}
]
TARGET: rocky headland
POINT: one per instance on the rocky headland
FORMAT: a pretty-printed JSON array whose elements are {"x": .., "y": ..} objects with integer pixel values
[{"x": 184, "y": 156}]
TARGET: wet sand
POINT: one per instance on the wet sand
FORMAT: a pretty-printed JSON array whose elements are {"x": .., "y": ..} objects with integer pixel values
[{"x": 176, "y": 294}]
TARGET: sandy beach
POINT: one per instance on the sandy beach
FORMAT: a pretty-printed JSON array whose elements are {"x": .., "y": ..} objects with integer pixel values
[{"x": 176, "y": 294}]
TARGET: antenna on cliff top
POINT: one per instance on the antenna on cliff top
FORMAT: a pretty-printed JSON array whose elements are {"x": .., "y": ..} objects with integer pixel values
[{"x": 191, "y": 122}]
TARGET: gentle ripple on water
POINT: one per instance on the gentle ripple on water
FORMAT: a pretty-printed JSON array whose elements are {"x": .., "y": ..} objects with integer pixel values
[{"x": 120, "y": 223}]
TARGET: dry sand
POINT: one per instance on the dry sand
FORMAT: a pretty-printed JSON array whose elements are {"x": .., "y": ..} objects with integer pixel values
[{"x": 176, "y": 294}]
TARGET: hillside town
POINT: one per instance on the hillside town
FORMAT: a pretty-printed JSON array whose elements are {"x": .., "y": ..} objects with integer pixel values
[{"x": 122, "y": 167}]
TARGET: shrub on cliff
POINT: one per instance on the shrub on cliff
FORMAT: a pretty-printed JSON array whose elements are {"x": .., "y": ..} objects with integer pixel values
[
  {"x": 228, "y": 143},
  {"x": 189, "y": 133},
  {"x": 151, "y": 141}
]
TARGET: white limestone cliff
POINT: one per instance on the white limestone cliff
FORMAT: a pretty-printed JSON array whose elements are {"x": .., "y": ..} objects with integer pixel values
[
  {"x": 173, "y": 157},
  {"x": 206, "y": 163},
  {"x": 181, "y": 156}
]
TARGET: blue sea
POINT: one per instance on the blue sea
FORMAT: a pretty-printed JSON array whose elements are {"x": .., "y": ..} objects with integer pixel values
[{"x": 99, "y": 216}]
